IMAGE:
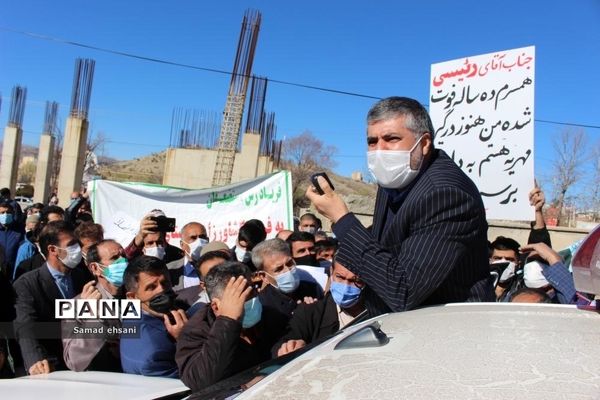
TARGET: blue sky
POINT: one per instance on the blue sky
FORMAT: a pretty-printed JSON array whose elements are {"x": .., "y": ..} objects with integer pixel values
[{"x": 375, "y": 48}]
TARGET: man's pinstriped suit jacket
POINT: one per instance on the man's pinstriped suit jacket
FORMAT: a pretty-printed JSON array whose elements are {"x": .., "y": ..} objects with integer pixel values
[{"x": 434, "y": 250}]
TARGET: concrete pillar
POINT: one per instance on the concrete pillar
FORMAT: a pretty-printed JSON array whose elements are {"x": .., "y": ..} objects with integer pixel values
[
  {"x": 11, "y": 150},
  {"x": 43, "y": 172},
  {"x": 189, "y": 168},
  {"x": 72, "y": 159},
  {"x": 246, "y": 162}
]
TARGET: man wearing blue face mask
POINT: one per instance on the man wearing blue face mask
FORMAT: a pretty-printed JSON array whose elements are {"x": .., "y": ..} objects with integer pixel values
[
  {"x": 428, "y": 241},
  {"x": 11, "y": 235},
  {"x": 233, "y": 334},
  {"x": 311, "y": 322},
  {"x": 107, "y": 262},
  {"x": 284, "y": 285}
]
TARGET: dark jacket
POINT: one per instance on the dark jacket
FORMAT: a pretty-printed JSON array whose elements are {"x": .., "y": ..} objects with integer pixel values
[
  {"x": 427, "y": 245},
  {"x": 37, "y": 331},
  {"x": 282, "y": 305},
  {"x": 29, "y": 265},
  {"x": 210, "y": 349},
  {"x": 11, "y": 236},
  {"x": 312, "y": 322}
]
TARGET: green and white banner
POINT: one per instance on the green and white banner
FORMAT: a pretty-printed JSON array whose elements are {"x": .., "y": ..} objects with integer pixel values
[{"x": 119, "y": 207}]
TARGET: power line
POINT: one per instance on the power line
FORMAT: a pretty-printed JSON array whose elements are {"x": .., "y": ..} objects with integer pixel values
[{"x": 223, "y": 72}]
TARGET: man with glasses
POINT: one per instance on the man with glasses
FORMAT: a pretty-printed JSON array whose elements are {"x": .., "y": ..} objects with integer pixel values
[{"x": 341, "y": 305}]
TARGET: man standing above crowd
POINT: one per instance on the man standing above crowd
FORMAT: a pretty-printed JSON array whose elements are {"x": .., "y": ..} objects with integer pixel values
[{"x": 428, "y": 242}]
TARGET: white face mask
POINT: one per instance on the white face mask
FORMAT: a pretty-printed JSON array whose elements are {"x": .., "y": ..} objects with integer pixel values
[
  {"x": 391, "y": 168},
  {"x": 195, "y": 248},
  {"x": 310, "y": 229},
  {"x": 241, "y": 254},
  {"x": 73, "y": 257},
  {"x": 156, "y": 251}
]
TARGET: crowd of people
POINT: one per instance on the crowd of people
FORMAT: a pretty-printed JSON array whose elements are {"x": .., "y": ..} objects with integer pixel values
[{"x": 210, "y": 310}]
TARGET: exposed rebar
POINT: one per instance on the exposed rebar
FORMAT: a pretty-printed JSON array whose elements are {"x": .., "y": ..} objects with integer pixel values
[
  {"x": 50, "y": 118},
  {"x": 234, "y": 107},
  {"x": 194, "y": 129},
  {"x": 82, "y": 87},
  {"x": 17, "y": 107},
  {"x": 256, "y": 105}
]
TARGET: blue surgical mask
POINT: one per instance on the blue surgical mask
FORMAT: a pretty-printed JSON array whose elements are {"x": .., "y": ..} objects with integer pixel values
[
  {"x": 288, "y": 281},
  {"x": 252, "y": 312},
  {"x": 115, "y": 271},
  {"x": 344, "y": 295},
  {"x": 6, "y": 219}
]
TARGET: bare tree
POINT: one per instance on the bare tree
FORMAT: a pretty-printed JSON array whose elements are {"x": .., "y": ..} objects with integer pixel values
[
  {"x": 27, "y": 172},
  {"x": 304, "y": 155},
  {"x": 593, "y": 195},
  {"x": 568, "y": 166}
]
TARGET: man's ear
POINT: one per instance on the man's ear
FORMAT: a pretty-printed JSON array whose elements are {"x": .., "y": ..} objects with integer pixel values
[
  {"x": 427, "y": 143},
  {"x": 130, "y": 295},
  {"x": 95, "y": 268},
  {"x": 214, "y": 304}
]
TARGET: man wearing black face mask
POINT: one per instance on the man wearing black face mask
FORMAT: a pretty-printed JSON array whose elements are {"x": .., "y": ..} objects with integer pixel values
[
  {"x": 302, "y": 245},
  {"x": 153, "y": 353}
]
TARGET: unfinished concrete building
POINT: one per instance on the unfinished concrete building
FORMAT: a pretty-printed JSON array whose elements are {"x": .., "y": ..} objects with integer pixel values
[
  {"x": 76, "y": 131},
  {"x": 13, "y": 135}
]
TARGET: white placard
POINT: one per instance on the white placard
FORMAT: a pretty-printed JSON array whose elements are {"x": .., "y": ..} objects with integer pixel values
[
  {"x": 482, "y": 109},
  {"x": 119, "y": 207}
]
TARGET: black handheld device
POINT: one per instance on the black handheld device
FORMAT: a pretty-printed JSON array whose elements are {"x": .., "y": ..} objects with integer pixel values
[
  {"x": 164, "y": 224},
  {"x": 315, "y": 182}
]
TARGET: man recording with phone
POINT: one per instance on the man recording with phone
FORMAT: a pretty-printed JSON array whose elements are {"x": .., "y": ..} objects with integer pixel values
[
  {"x": 152, "y": 241},
  {"x": 428, "y": 241}
]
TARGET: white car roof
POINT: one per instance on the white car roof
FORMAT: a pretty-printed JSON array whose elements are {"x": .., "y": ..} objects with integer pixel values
[
  {"x": 89, "y": 385},
  {"x": 459, "y": 351}
]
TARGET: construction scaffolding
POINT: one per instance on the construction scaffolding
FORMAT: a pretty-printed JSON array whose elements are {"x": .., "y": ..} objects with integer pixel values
[{"x": 234, "y": 107}]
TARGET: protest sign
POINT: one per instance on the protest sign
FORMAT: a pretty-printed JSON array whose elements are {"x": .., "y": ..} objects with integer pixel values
[
  {"x": 482, "y": 109},
  {"x": 119, "y": 207}
]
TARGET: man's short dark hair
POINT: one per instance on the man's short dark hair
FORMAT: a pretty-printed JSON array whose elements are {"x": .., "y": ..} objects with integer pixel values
[
  {"x": 300, "y": 237},
  {"x": 417, "y": 118},
  {"x": 92, "y": 254},
  {"x": 504, "y": 243},
  {"x": 5, "y": 192},
  {"x": 211, "y": 255},
  {"x": 252, "y": 232},
  {"x": 540, "y": 294},
  {"x": 50, "y": 233},
  {"x": 147, "y": 264},
  {"x": 89, "y": 230},
  {"x": 7, "y": 205},
  {"x": 314, "y": 218},
  {"x": 325, "y": 244},
  {"x": 217, "y": 278},
  {"x": 46, "y": 211}
]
